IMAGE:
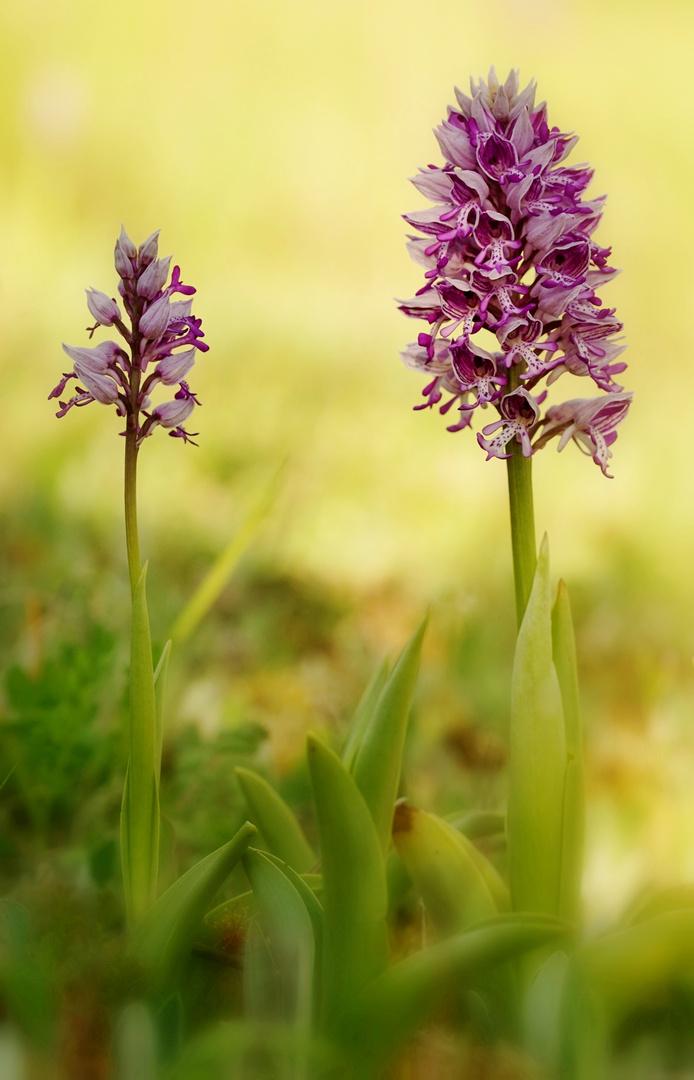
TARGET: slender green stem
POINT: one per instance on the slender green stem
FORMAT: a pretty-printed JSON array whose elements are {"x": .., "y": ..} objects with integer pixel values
[
  {"x": 520, "y": 495},
  {"x": 131, "y": 537},
  {"x": 132, "y": 541}
]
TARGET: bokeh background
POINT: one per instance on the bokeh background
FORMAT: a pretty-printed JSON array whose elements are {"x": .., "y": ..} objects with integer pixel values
[{"x": 271, "y": 143}]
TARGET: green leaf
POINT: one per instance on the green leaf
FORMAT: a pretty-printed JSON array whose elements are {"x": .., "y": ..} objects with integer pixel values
[
  {"x": 160, "y": 675},
  {"x": 363, "y": 714},
  {"x": 245, "y": 903},
  {"x": 378, "y": 761},
  {"x": 445, "y": 869},
  {"x": 210, "y": 588},
  {"x": 392, "y": 1008},
  {"x": 355, "y": 940},
  {"x": 136, "y": 1044},
  {"x": 305, "y": 886},
  {"x": 629, "y": 967},
  {"x": 140, "y": 809},
  {"x": 537, "y": 760},
  {"x": 476, "y": 824},
  {"x": 162, "y": 942},
  {"x": 289, "y": 929},
  {"x": 542, "y": 1012},
  {"x": 564, "y": 656},
  {"x": 276, "y": 821}
]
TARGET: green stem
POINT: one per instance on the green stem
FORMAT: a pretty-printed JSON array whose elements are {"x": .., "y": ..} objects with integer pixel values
[
  {"x": 520, "y": 496},
  {"x": 132, "y": 542}
]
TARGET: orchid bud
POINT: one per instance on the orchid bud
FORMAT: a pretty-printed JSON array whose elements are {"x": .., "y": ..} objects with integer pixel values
[
  {"x": 148, "y": 250},
  {"x": 153, "y": 279},
  {"x": 156, "y": 318},
  {"x": 124, "y": 253},
  {"x": 102, "y": 307}
]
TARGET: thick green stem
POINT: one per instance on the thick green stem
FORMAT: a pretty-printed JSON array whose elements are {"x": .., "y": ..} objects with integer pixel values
[
  {"x": 520, "y": 495},
  {"x": 132, "y": 542}
]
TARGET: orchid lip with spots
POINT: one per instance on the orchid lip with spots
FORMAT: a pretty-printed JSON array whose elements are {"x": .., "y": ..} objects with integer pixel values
[
  {"x": 162, "y": 333},
  {"x": 509, "y": 255}
]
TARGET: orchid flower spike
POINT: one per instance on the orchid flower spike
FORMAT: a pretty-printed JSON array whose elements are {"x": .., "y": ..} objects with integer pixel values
[
  {"x": 156, "y": 332},
  {"x": 508, "y": 249}
]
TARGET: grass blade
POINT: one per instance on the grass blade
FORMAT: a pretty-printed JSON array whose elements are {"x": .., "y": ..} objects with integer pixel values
[
  {"x": 355, "y": 942},
  {"x": 163, "y": 940},
  {"x": 211, "y": 586},
  {"x": 277, "y": 823},
  {"x": 378, "y": 760},
  {"x": 363, "y": 714}
]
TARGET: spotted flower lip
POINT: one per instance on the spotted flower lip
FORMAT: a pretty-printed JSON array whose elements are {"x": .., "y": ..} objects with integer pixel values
[
  {"x": 162, "y": 332},
  {"x": 508, "y": 252}
]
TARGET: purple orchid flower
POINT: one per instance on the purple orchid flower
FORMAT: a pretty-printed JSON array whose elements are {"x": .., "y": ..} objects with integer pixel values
[
  {"x": 162, "y": 331},
  {"x": 508, "y": 248}
]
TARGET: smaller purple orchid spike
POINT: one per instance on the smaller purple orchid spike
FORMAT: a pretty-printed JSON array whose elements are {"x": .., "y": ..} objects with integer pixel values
[{"x": 162, "y": 332}]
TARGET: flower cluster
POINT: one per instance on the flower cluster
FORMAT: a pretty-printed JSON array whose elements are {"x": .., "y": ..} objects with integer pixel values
[
  {"x": 163, "y": 336},
  {"x": 508, "y": 251}
]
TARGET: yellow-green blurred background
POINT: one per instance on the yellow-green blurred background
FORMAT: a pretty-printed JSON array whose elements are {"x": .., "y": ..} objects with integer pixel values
[{"x": 271, "y": 142}]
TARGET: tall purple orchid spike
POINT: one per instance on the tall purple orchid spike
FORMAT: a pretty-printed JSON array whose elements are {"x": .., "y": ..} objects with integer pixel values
[
  {"x": 163, "y": 336},
  {"x": 508, "y": 251}
]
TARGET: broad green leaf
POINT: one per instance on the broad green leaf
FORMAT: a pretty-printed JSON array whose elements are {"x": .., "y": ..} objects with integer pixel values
[
  {"x": 363, "y": 714},
  {"x": 163, "y": 940},
  {"x": 140, "y": 809},
  {"x": 378, "y": 761},
  {"x": 542, "y": 1011},
  {"x": 305, "y": 885},
  {"x": 444, "y": 867},
  {"x": 276, "y": 821},
  {"x": 564, "y": 656},
  {"x": 585, "y": 1049},
  {"x": 392, "y": 1007},
  {"x": 629, "y": 967},
  {"x": 563, "y": 1024},
  {"x": 289, "y": 929},
  {"x": 210, "y": 588},
  {"x": 160, "y": 675},
  {"x": 355, "y": 940},
  {"x": 261, "y": 991},
  {"x": 537, "y": 760}
]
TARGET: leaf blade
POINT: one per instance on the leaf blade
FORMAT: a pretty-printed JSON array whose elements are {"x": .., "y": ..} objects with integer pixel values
[
  {"x": 164, "y": 937},
  {"x": 275, "y": 820},
  {"x": 378, "y": 762},
  {"x": 355, "y": 945}
]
